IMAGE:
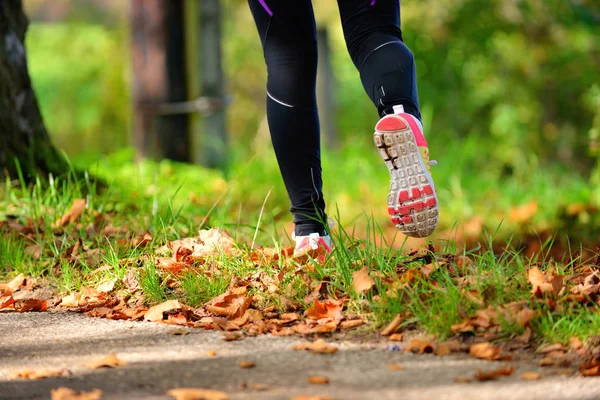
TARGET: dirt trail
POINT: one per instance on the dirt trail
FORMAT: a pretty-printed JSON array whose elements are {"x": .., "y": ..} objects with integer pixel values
[{"x": 159, "y": 361}]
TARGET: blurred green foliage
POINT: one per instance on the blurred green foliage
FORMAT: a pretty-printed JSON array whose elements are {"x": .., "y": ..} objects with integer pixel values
[
  {"x": 80, "y": 74},
  {"x": 510, "y": 91}
]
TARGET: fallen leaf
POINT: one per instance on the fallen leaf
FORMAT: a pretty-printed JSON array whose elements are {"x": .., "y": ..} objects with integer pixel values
[
  {"x": 32, "y": 305},
  {"x": 31, "y": 374},
  {"x": 494, "y": 373},
  {"x": 259, "y": 387},
  {"x": 318, "y": 346},
  {"x": 548, "y": 283},
  {"x": 110, "y": 361},
  {"x": 232, "y": 336},
  {"x": 355, "y": 323},
  {"x": 7, "y": 300},
  {"x": 547, "y": 362},
  {"x": 197, "y": 394},
  {"x": 71, "y": 300},
  {"x": 107, "y": 286},
  {"x": 396, "y": 337},
  {"x": 155, "y": 313},
  {"x": 211, "y": 353},
  {"x": 525, "y": 337},
  {"x": 309, "y": 397},
  {"x": 72, "y": 215},
  {"x": 232, "y": 304},
  {"x": 524, "y": 213},
  {"x": 64, "y": 393},
  {"x": 361, "y": 280},
  {"x": 318, "y": 380},
  {"x": 485, "y": 351},
  {"x": 395, "y": 367},
  {"x": 247, "y": 364},
  {"x": 325, "y": 309},
  {"x": 575, "y": 343},
  {"x": 552, "y": 347},
  {"x": 14, "y": 285},
  {"x": 392, "y": 326},
  {"x": 420, "y": 346},
  {"x": 34, "y": 250},
  {"x": 442, "y": 350},
  {"x": 530, "y": 376},
  {"x": 463, "y": 379},
  {"x": 590, "y": 368}
]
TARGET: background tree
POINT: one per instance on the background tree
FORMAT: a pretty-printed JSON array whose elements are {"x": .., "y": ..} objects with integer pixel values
[{"x": 23, "y": 136}]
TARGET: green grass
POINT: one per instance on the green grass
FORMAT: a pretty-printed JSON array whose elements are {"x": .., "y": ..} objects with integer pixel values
[{"x": 171, "y": 201}]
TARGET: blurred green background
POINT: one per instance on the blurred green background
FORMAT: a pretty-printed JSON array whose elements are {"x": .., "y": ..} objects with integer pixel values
[{"x": 510, "y": 91}]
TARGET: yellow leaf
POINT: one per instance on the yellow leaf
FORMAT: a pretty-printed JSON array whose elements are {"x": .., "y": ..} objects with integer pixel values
[{"x": 197, "y": 394}]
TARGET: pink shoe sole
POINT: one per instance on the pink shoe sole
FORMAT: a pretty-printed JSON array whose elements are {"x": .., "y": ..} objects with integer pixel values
[{"x": 412, "y": 202}]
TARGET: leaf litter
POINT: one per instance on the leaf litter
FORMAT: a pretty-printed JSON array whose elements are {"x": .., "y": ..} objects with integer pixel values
[{"x": 240, "y": 311}]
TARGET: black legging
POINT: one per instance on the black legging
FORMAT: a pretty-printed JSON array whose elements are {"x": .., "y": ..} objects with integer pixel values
[{"x": 288, "y": 33}]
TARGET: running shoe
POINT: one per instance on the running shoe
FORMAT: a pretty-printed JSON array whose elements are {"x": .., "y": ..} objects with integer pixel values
[
  {"x": 313, "y": 245},
  {"x": 412, "y": 202}
]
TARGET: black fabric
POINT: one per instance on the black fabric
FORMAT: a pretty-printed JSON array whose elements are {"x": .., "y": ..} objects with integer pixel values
[{"x": 289, "y": 40}]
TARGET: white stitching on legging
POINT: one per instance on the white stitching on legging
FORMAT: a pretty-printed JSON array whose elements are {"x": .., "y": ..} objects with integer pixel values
[
  {"x": 278, "y": 101},
  {"x": 312, "y": 176}
]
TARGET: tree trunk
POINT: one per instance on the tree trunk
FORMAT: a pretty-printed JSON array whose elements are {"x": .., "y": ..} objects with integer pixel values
[{"x": 24, "y": 141}]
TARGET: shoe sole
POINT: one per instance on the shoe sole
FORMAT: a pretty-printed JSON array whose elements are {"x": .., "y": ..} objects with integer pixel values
[{"x": 412, "y": 202}]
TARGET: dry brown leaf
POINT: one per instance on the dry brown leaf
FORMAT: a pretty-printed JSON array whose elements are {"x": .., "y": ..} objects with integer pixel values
[
  {"x": 155, "y": 313},
  {"x": 354, "y": 323},
  {"x": 31, "y": 374},
  {"x": 442, "y": 350},
  {"x": 575, "y": 343},
  {"x": 32, "y": 305},
  {"x": 247, "y": 364},
  {"x": 72, "y": 215},
  {"x": 525, "y": 337},
  {"x": 485, "y": 351},
  {"x": 590, "y": 368},
  {"x": 392, "y": 326},
  {"x": 420, "y": 346},
  {"x": 107, "y": 286},
  {"x": 396, "y": 337},
  {"x": 110, "y": 361},
  {"x": 524, "y": 213},
  {"x": 395, "y": 367},
  {"x": 34, "y": 250},
  {"x": 465, "y": 326},
  {"x": 197, "y": 394},
  {"x": 494, "y": 373},
  {"x": 547, "y": 362},
  {"x": 318, "y": 380},
  {"x": 552, "y": 348},
  {"x": 232, "y": 336},
  {"x": 548, "y": 283},
  {"x": 309, "y": 397},
  {"x": 318, "y": 346},
  {"x": 361, "y": 280},
  {"x": 232, "y": 304},
  {"x": 463, "y": 379},
  {"x": 530, "y": 376},
  {"x": 7, "y": 301},
  {"x": 64, "y": 393},
  {"x": 71, "y": 300},
  {"x": 259, "y": 387},
  {"x": 325, "y": 309},
  {"x": 14, "y": 285},
  {"x": 209, "y": 242}
]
